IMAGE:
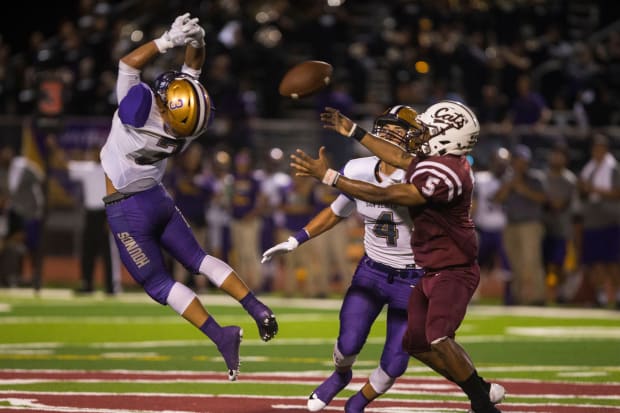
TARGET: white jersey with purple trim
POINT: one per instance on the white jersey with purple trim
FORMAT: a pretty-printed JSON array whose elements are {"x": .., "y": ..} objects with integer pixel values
[
  {"x": 134, "y": 158},
  {"x": 387, "y": 228}
]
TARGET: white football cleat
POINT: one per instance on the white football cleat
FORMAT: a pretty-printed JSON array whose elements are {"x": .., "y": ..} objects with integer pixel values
[
  {"x": 497, "y": 393},
  {"x": 315, "y": 404}
]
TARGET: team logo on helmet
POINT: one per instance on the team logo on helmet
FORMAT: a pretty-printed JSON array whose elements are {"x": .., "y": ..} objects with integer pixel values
[
  {"x": 189, "y": 109},
  {"x": 452, "y": 129}
]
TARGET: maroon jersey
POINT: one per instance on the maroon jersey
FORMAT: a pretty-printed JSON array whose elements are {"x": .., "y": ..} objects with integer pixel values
[{"x": 444, "y": 234}]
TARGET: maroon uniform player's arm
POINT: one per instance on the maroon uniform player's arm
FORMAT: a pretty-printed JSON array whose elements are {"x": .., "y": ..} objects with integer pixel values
[{"x": 399, "y": 194}]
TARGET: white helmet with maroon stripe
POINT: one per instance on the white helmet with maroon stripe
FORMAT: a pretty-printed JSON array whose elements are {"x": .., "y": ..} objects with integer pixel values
[{"x": 452, "y": 128}]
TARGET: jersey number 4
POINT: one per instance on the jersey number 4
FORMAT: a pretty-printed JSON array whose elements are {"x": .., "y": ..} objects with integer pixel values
[{"x": 386, "y": 228}]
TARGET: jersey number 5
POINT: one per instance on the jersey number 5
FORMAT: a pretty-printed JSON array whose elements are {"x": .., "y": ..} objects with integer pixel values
[{"x": 429, "y": 185}]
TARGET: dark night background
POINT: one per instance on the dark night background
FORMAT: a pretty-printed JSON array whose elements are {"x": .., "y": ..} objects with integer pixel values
[{"x": 21, "y": 18}]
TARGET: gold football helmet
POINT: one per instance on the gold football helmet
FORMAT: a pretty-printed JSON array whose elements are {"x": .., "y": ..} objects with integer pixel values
[
  {"x": 188, "y": 107},
  {"x": 408, "y": 128}
]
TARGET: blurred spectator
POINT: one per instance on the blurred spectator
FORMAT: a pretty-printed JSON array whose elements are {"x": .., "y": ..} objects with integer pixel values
[
  {"x": 523, "y": 196},
  {"x": 192, "y": 191},
  {"x": 246, "y": 211},
  {"x": 460, "y": 45},
  {"x": 581, "y": 69},
  {"x": 219, "y": 212},
  {"x": 273, "y": 181},
  {"x": 413, "y": 50},
  {"x": 26, "y": 183},
  {"x": 11, "y": 241},
  {"x": 515, "y": 62},
  {"x": 474, "y": 62},
  {"x": 594, "y": 106},
  {"x": 528, "y": 108},
  {"x": 599, "y": 185},
  {"x": 332, "y": 257},
  {"x": 8, "y": 79},
  {"x": 493, "y": 106},
  {"x": 490, "y": 220},
  {"x": 562, "y": 198},
  {"x": 231, "y": 123},
  {"x": 300, "y": 270},
  {"x": 96, "y": 237}
]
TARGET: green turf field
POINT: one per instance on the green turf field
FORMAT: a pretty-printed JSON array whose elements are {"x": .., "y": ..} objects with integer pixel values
[{"x": 58, "y": 331}]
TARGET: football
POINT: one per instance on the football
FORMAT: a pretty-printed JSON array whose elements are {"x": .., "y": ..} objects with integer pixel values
[{"x": 305, "y": 78}]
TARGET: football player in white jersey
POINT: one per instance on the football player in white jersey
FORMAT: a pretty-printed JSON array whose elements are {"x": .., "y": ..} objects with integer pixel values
[
  {"x": 384, "y": 276},
  {"x": 150, "y": 125}
]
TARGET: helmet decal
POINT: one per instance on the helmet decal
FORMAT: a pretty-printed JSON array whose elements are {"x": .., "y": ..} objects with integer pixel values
[
  {"x": 189, "y": 109},
  {"x": 452, "y": 129}
]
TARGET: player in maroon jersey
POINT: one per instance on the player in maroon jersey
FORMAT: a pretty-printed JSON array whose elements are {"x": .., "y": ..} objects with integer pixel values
[{"x": 438, "y": 192}]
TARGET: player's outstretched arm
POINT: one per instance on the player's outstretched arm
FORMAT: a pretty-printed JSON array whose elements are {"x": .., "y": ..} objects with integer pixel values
[
  {"x": 195, "y": 53},
  {"x": 323, "y": 221},
  {"x": 399, "y": 194},
  {"x": 388, "y": 152}
]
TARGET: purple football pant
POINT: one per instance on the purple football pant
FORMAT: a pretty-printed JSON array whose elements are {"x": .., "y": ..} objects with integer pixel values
[
  {"x": 143, "y": 225},
  {"x": 437, "y": 306},
  {"x": 368, "y": 293}
]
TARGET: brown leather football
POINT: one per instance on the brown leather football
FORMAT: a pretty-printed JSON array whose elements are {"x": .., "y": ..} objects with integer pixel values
[{"x": 305, "y": 78}]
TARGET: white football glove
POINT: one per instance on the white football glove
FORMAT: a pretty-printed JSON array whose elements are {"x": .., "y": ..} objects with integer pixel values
[
  {"x": 180, "y": 21},
  {"x": 282, "y": 248},
  {"x": 180, "y": 33},
  {"x": 198, "y": 39}
]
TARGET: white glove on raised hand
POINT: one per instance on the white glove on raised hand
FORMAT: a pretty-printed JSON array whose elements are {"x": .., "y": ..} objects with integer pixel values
[
  {"x": 180, "y": 21},
  {"x": 198, "y": 39},
  {"x": 282, "y": 248},
  {"x": 180, "y": 33}
]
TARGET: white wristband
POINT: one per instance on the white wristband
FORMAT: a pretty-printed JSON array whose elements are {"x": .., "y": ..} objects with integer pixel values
[
  {"x": 331, "y": 177},
  {"x": 162, "y": 44}
]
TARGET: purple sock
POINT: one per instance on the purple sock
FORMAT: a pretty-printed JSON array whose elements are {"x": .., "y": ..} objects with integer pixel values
[
  {"x": 212, "y": 329},
  {"x": 356, "y": 403},
  {"x": 251, "y": 304}
]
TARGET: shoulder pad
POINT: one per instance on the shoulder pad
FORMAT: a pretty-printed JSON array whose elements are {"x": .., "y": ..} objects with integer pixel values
[
  {"x": 362, "y": 169},
  {"x": 135, "y": 107}
]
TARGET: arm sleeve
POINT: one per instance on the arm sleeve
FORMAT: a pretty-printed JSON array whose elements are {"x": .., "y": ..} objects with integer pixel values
[
  {"x": 128, "y": 77},
  {"x": 343, "y": 206}
]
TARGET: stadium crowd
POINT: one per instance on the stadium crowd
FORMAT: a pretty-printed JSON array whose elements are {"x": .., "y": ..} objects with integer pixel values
[{"x": 524, "y": 66}]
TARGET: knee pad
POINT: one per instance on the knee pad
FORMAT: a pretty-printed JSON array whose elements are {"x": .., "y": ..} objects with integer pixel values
[
  {"x": 215, "y": 269},
  {"x": 380, "y": 380},
  {"x": 158, "y": 288},
  {"x": 180, "y": 298},
  {"x": 340, "y": 360}
]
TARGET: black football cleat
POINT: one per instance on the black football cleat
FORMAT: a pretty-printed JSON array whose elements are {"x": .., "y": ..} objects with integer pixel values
[{"x": 267, "y": 326}]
